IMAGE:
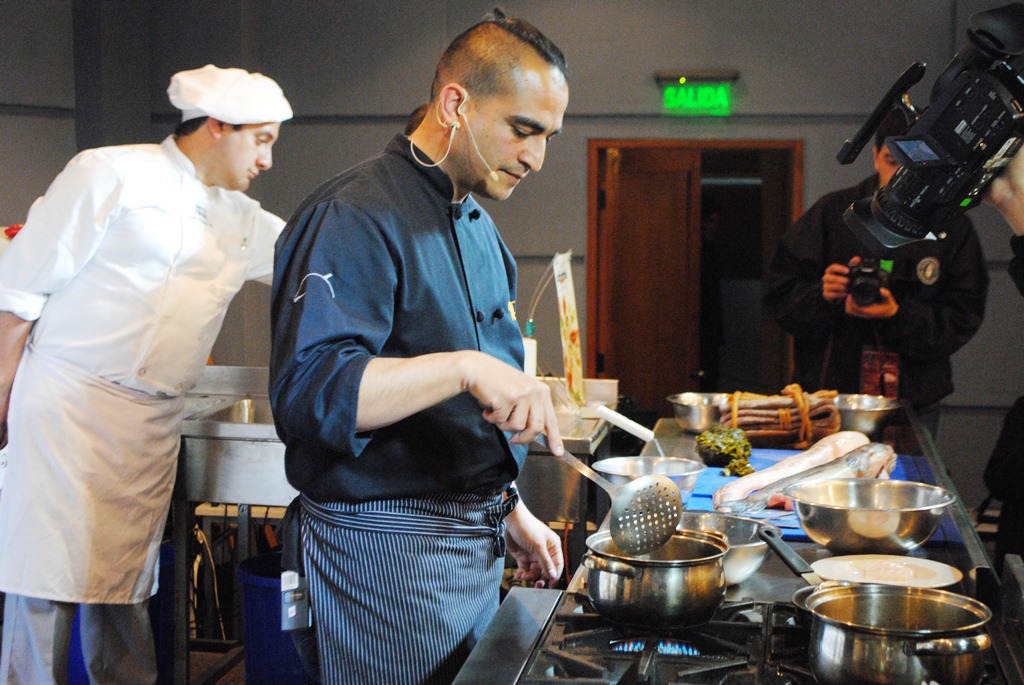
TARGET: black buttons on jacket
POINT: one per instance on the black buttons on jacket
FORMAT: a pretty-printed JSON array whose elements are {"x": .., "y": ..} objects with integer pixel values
[{"x": 479, "y": 316}]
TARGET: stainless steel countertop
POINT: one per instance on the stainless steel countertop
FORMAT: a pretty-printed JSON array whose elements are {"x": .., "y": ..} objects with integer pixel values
[
  {"x": 672, "y": 439},
  {"x": 242, "y": 460},
  {"x": 774, "y": 581}
]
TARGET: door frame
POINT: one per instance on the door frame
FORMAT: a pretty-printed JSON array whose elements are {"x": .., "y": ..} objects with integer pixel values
[{"x": 795, "y": 147}]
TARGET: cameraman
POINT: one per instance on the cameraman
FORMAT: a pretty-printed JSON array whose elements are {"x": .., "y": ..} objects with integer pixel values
[
  {"x": 898, "y": 345},
  {"x": 1007, "y": 195}
]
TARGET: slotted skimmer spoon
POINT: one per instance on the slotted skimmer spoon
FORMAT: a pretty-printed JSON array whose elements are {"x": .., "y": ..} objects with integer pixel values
[{"x": 645, "y": 511}]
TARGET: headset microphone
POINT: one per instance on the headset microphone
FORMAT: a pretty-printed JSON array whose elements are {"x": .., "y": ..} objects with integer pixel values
[
  {"x": 455, "y": 126},
  {"x": 494, "y": 174}
]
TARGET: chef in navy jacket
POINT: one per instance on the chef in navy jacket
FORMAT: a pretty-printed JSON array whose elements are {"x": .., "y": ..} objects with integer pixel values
[{"x": 396, "y": 372}]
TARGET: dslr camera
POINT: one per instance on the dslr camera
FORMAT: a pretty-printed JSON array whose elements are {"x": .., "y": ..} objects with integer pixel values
[
  {"x": 969, "y": 132},
  {"x": 866, "y": 277}
]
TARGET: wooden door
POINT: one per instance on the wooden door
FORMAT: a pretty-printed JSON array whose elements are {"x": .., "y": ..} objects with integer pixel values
[
  {"x": 646, "y": 249},
  {"x": 643, "y": 259}
]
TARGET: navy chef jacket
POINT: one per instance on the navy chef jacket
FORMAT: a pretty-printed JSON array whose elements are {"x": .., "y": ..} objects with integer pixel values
[{"x": 378, "y": 261}]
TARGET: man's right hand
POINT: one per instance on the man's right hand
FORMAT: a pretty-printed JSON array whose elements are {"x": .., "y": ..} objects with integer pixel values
[
  {"x": 395, "y": 388},
  {"x": 513, "y": 401},
  {"x": 835, "y": 282}
]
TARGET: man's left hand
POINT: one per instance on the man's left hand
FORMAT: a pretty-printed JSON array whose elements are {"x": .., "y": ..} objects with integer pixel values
[
  {"x": 1006, "y": 193},
  {"x": 535, "y": 547}
]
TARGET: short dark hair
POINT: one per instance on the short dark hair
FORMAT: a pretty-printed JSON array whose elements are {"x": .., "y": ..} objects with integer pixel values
[
  {"x": 187, "y": 128},
  {"x": 480, "y": 60},
  {"x": 895, "y": 123}
]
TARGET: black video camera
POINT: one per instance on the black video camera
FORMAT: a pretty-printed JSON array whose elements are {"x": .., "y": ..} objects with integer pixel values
[
  {"x": 866, "y": 278},
  {"x": 969, "y": 132}
]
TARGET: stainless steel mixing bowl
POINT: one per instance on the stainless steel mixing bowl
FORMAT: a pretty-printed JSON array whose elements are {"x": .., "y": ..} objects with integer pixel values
[
  {"x": 696, "y": 412},
  {"x": 867, "y": 414},
  {"x": 746, "y": 549},
  {"x": 868, "y": 515},
  {"x": 683, "y": 472}
]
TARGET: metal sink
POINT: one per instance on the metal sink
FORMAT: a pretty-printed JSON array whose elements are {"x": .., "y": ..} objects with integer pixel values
[
  {"x": 231, "y": 449},
  {"x": 201, "y": 404},
  {"x": 245, "y": 410},
  {"x": 231, "y": 417}
]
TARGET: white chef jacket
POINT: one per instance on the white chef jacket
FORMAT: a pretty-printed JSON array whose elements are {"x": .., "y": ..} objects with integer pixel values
[
  {"x": 129, "y": 260},
  {"x": 127, "y": 265}
]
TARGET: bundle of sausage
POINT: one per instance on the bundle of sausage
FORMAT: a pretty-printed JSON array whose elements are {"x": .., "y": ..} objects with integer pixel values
[{"x": 794, "y": 418}]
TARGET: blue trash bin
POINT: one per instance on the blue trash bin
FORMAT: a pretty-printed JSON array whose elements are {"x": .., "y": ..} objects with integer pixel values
[
  {"x": 77, "y": 675},
  {"x": 271, "y": 657},
  {"x": 161, "y": 617}
]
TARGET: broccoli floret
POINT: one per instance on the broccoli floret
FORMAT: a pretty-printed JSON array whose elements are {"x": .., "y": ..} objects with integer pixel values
[
  {"x": 721, "y": 445},
  {"x": 738, "y": 467}
]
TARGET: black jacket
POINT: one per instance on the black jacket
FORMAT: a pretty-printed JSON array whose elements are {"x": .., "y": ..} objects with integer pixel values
[
  {"x": 1017, "y": 262},
  {"x": 940, "y": 290},
  {"x": 1004, "y": 477}
]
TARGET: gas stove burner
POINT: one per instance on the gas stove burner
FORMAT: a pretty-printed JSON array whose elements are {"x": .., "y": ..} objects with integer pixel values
[
  {"x": 666, "y": 646},
  {"x": 747, "y": 642},
  {"x": 582, "y": 646}
]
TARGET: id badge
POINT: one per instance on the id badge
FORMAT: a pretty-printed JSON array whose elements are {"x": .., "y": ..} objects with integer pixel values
[{"x": 880, "y": 373}]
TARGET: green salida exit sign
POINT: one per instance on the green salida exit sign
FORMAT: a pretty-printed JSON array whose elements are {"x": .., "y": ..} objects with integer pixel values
[{"x": 697, "y": 96}]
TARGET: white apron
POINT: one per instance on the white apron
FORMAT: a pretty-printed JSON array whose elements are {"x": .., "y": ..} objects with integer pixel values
[{"x": 88, "y": 485}]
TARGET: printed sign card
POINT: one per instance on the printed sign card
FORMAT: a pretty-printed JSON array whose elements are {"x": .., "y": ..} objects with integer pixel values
[{"x": 569, "y": 326}]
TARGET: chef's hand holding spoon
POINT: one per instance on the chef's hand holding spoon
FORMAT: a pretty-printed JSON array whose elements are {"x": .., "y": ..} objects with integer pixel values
[
  {"x": 515, "y": 403},
  {"x": 393, "y": 389}
]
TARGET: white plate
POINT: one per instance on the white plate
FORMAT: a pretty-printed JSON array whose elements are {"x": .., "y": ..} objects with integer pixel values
[{"x": 887, "y": 569}]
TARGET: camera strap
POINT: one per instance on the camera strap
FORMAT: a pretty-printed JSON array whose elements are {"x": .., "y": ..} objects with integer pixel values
[{"x": 828, "y": 354}]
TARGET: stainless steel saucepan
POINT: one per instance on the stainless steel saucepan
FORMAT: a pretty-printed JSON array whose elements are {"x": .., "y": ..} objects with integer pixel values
[
  {"x": 681, "y": 584},
  {"x": 886, "y": 633},
  {"x": 897, "y": 635}
]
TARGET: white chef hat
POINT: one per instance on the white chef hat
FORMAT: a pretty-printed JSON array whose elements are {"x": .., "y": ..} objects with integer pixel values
[{"x": 233, "y": 96}]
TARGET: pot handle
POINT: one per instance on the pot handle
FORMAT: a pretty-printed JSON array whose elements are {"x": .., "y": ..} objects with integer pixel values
[
  {"x": 796, "y": 563},
  {"x": 950, "y": 646},
  {"x": 611, "y": 566}
]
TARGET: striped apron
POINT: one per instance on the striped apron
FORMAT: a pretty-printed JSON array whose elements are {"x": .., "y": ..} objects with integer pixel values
[{"x": 402, "y": 589}]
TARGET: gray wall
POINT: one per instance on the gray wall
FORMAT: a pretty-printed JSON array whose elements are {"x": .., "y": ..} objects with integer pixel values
[{"x": 810, "y": 70}]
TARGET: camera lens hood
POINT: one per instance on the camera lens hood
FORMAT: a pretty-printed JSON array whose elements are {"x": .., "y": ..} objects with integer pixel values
[{"x": 880, "y": 240}]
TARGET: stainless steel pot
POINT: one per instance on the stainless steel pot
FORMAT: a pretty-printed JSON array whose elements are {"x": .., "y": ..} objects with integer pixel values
[
  {"x": 896, "y": 635},
  {"x": 678, "y": 585}
]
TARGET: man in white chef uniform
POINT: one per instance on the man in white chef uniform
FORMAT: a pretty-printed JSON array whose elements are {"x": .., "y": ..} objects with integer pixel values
[{"x": 110, "y": 300}]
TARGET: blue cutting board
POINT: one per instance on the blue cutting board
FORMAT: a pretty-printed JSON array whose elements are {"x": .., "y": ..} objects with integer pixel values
[{"x": 711, "y": 479}]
